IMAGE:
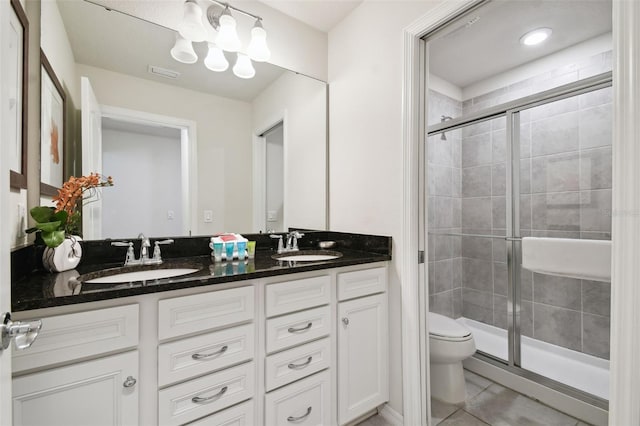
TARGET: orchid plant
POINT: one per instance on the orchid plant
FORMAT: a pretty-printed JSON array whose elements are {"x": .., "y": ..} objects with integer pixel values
[{"x": 55, "y": 223}]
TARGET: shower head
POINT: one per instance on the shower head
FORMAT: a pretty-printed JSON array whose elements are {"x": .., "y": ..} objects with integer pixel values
[{"x": 444, "y": 118}]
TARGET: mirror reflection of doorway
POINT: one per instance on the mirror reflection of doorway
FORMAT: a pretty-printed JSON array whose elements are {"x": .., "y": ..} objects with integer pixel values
[
  {"x": 274, "y": 182},
  {"x": 148, "y": 159}
]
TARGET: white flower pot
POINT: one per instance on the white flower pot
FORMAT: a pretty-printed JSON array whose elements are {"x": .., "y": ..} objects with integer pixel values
[{"x": 64, "y": 257}]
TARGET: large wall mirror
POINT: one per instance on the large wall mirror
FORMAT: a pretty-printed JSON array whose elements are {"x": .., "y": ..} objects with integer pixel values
[{"x": 191, "y": 151}]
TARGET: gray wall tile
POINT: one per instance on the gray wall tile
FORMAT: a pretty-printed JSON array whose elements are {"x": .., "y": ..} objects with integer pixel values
[
  {"x": 498, "y": 180},
  {"x": 441, "y": 303},
  {"x": 476, "y": 129},
  {"x": 499, "y": 250},
  {"x": 595, "y": 212},
  {"x": 476, "y": 150},
  {"x": 526, "y": 318},
  {"x": 443, "y": 180},
  {"x": 557, "y": 291},
  {"x": 477, "y": 305},
  {"x": 595, "y": 127},
  {"x": 477, "y": 274},
  {"x": 525, "y": 176},
  {"x": 555, "y": 135},
  {"x": 476, "y": 181},
  {"x": 556, "y": 211},
  {"x": 525, "y": 212},
  {"x": 443, "y": 275},
  {"x": 595, "y": 98},
  {"x": 457, "y": 303},
  {"x": 500, "y": 313},
  {"x": 555, "y": 173},
  {"x": 476, "y": 248},
  {"x": 526, "y": 283},
  {"x": 500, "y": 278},
  {"x": 559, "y": 326},
  {"x": 498, "y": 146},
  {"x": 596, "y": 168},
  {"x": 476, "y": 213},
  {"x": 498, "y": 212},
  {"x": 596, "y": 335},
  {"x": 443, "y": 212},
  {"x": 596, "y": 297},
  {"x": 442, "y": 247}
]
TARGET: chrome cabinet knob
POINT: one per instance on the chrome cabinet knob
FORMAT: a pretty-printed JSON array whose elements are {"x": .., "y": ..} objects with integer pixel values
[
  {"x": 129, "y": 382},
  {"x": 345, "y": 321}
]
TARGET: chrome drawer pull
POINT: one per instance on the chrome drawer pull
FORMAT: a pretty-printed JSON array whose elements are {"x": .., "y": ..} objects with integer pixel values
[
  {"x": 204, "y": 356},
  {"x": 297, "y": 419},
  {"x": 303, "y": 365},
  {"x": 199, "y": 399},
  {"x": 297, "y": 330}
]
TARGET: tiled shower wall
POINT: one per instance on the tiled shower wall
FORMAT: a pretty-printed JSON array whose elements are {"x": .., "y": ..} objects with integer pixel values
[{"x": 565, "y": 192}]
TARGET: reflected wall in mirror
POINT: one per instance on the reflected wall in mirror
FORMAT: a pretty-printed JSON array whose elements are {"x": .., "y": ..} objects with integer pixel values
[{"x": 188, "y": 154}]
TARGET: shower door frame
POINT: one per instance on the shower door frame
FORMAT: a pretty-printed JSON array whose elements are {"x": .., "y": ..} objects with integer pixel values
[{"x": 513, "y": 238}]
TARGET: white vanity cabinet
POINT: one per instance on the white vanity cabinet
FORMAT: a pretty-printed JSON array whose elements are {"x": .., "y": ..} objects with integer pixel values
[
  {"x": 101, "y": 391},
  {"x": 302, "y": 349},
  {"x": 363, "y": 372}
]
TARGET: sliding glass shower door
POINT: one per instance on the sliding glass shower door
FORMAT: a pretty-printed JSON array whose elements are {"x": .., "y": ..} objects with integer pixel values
[{"x": 537, "y": 166}]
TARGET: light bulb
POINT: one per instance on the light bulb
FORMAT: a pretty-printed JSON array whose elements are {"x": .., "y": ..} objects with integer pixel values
[
  {"x": 227, "y": 36},
  {"x": 215, "y": 59},
  {"x": 258, "y": 49},
  {"x": 183, "y": 51},
  {"x": 191, "y": 26},
  {"x": 536, "y": 36},
  {"x": 243, "y": 67}
]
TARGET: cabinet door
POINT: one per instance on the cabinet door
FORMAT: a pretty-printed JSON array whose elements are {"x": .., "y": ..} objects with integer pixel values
[
  {"x": 92, "y": 393},
  {"x": 363, "y": 381}
]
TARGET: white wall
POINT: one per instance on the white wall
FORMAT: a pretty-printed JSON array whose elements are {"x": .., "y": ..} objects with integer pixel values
[
  {"x": 301, "y": 102},
  {"x": 224, "y": 141},
  {"x": 148, "y": 187},
  {"x": 366, "y": 152}
]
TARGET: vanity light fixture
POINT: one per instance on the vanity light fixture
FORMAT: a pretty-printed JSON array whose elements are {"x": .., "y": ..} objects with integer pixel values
[
  {"x": 217, "y": 27},
  {"x": 536, "y": 36}
]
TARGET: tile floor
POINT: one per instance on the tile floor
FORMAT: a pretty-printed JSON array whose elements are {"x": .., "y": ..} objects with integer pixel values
[{"x": 489, "y": 403}]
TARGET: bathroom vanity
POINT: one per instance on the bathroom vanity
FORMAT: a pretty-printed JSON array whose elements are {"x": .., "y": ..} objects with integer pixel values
[{"x": 274, "y": 343}]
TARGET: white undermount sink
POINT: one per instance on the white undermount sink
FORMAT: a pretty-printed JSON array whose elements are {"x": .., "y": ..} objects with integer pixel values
[
  {"x": 308, "y": 256},
  {"x": 153, "y": 274}
]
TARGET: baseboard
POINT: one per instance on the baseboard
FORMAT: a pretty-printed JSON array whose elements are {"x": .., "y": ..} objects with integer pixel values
[
  {"x": 555, "y": 399},
  {"x": 390, "y": 415}
]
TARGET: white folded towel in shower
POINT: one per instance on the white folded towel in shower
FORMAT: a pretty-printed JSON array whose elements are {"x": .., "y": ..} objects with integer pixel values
[{"x": 583, "y": 259}]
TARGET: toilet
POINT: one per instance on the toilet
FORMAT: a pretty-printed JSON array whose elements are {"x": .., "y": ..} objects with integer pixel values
[{"x": 449, "y": 344}]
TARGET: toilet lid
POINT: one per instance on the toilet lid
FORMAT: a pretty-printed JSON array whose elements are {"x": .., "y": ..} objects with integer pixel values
[{"x": 439, "y": 325}]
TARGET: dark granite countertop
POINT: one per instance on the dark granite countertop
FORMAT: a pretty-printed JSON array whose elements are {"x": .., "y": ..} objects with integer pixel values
[{"x": 37, "y": 289}]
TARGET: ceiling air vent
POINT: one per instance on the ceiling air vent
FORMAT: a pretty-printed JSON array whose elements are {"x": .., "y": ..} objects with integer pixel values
[{"x": 163, "y": 72}]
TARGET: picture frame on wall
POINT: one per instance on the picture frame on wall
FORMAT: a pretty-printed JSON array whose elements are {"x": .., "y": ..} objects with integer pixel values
[
  {"x": 18, "y": 69},
  {"x": 52, "y": 129}
]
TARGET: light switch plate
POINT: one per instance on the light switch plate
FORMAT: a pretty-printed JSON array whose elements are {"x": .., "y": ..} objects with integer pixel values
[
  {"x": 272, "y": 215},
  {"x": 208, "y": 216}
]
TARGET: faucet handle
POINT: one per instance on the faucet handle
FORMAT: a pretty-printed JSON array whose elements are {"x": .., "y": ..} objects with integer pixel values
[
  {"x": 122, "y": 244},
  {"x": 279, "y": 238},
  {"x": 163, "y": 242},
  {"x": 157, "y": 256},
  {"x": 131, "y": 257}
]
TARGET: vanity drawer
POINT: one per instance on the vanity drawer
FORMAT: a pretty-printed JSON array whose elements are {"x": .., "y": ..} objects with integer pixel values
[
  {"x": 307, "y": 402},
  {"x": 200, "y": 312},
  {"x": 179, "y": 404},
  {"x": 186, "y": 358},
  {"x": 74, "y": 336},
  {"x": 239, "y": 415},
  {"x": 293, "y": 364},
  {"x": 297, "y": 295},
  {"x": 294, "y": 329},
  {"x": 361, "y": 283}
]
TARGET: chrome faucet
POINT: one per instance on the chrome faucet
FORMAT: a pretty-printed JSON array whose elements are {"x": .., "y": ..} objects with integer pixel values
[
  {"x": 145, "y": 244},
  {"x": 292, "y": 241}
]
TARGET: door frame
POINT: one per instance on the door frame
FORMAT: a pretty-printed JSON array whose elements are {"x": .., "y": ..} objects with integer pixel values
[
  {"x": 188, "y": 144},
  {"x": 625, "y": 296}
]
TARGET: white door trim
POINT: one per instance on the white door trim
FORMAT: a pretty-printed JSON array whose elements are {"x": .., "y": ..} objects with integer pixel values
[
  {"x": 625, "y": 293},
  {"x": 190, "y": 198}
]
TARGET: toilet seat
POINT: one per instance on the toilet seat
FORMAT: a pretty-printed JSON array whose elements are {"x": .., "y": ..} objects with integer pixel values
[{"x": 447, "y": 329}]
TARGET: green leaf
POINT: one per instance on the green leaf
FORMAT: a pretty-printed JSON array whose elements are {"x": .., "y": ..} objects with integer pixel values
[
  {"x": 49, "y": 226},
  {"x": 53, "y": 239},
  {"x": 31, "y": 230},
  {"x": 42, "y": 214},
  {"x": 61, "y": 216}
]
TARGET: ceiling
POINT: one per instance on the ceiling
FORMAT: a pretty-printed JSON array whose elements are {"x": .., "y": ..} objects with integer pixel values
[
  {"x": 319, "y": 14},
  {"x": 486, "y": 42}
]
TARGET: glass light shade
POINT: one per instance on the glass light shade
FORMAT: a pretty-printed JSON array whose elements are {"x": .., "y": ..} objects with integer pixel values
[
  {"x": 215, "y": 59},
  {"x": 183, "y": 51},
  {"x": 243, "y": 67},
  {"x": 191, "y": 26},
  {"x": 536, "y": 36},
  {"x": 258, "y": 49},
  {"x": 227, "y": 35}
]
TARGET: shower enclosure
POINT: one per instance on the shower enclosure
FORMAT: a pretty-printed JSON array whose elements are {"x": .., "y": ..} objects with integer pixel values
[{"x": 528, "y": 159}]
